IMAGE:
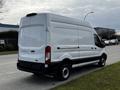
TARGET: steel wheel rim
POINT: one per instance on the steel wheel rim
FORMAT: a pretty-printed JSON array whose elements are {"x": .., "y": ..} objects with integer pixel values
[
  {"x": 103, "y": 61},
  {"x": 65, "y": 72}
]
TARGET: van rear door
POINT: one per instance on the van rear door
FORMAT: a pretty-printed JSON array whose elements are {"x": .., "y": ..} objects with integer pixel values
[{"x": 32, "y": 42}]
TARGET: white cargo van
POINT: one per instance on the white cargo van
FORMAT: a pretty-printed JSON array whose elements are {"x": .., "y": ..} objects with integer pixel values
[{"x": 51, "y": 44}]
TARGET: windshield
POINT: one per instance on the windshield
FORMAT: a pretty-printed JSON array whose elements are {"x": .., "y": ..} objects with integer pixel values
[{"x": 32, "y": 36}]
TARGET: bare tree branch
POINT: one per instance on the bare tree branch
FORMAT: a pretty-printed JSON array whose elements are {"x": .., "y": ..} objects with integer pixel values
[{"x": 1, "y": 3}]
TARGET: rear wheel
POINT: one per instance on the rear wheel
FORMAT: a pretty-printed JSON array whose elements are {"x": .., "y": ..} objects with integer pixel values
[
  {"x": 102, "y": 61},
  {"x": 63, "y": 72}
]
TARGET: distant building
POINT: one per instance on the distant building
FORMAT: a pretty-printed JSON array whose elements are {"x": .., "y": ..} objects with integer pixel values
[
  {"x": 8, "y": 27},
  {"x": 8, "y": 37},
  {"x": 105, "y": 33}
]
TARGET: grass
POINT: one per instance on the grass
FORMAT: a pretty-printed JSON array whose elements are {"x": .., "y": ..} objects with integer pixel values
[
  {"x": 8, "y": 52},
  {"x": 104, "y": 79}
]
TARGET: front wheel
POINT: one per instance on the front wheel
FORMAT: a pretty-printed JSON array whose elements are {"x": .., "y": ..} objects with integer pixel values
[
  {"x": 63, "y": 72},
  {"x": 102, "y": 61}
]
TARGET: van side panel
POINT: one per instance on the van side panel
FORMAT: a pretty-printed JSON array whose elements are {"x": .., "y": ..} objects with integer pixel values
[
  {"x": 64, "y": 41},
  {"x": 71, "y": 40}
]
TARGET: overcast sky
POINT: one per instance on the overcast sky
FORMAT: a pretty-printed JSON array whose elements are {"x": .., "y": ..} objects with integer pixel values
[{"x": 106, "y": 12}]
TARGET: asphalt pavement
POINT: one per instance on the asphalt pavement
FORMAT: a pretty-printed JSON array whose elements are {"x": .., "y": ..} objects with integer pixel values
[{"x": 13, "y": 79}]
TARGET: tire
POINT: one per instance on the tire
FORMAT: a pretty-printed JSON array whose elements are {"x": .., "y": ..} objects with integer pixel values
[
  {"x": 63, "y": 72},
  {"x": 102, "y": 61}
]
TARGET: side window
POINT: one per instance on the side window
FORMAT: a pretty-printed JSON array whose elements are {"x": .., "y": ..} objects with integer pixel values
[{"x": 97, "y": 40}]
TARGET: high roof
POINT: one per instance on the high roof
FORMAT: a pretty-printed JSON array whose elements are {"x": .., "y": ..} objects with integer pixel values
[
  {"x": 69, "y": 20},
  {"x": 62, "y": 19}
]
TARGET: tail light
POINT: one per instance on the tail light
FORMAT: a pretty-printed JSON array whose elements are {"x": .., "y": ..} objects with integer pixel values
[{"x": 48, "y": 55}]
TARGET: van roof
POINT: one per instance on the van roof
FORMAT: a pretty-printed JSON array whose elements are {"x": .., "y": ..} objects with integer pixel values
[{"x": 63, "y": 19}]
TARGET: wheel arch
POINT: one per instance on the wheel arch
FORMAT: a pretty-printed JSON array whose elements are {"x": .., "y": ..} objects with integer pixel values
[{"x": 66, "y": 61}]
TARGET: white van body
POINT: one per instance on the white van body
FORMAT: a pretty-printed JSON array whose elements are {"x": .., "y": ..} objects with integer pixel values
[{"x": 47, "y": 40}]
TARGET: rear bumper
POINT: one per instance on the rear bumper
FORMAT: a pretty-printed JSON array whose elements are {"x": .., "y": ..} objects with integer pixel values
[{"x": 37, "y": 67}]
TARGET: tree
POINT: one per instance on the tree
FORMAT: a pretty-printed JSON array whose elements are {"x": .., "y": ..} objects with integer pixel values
[{"x": 1, "y": 3}]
